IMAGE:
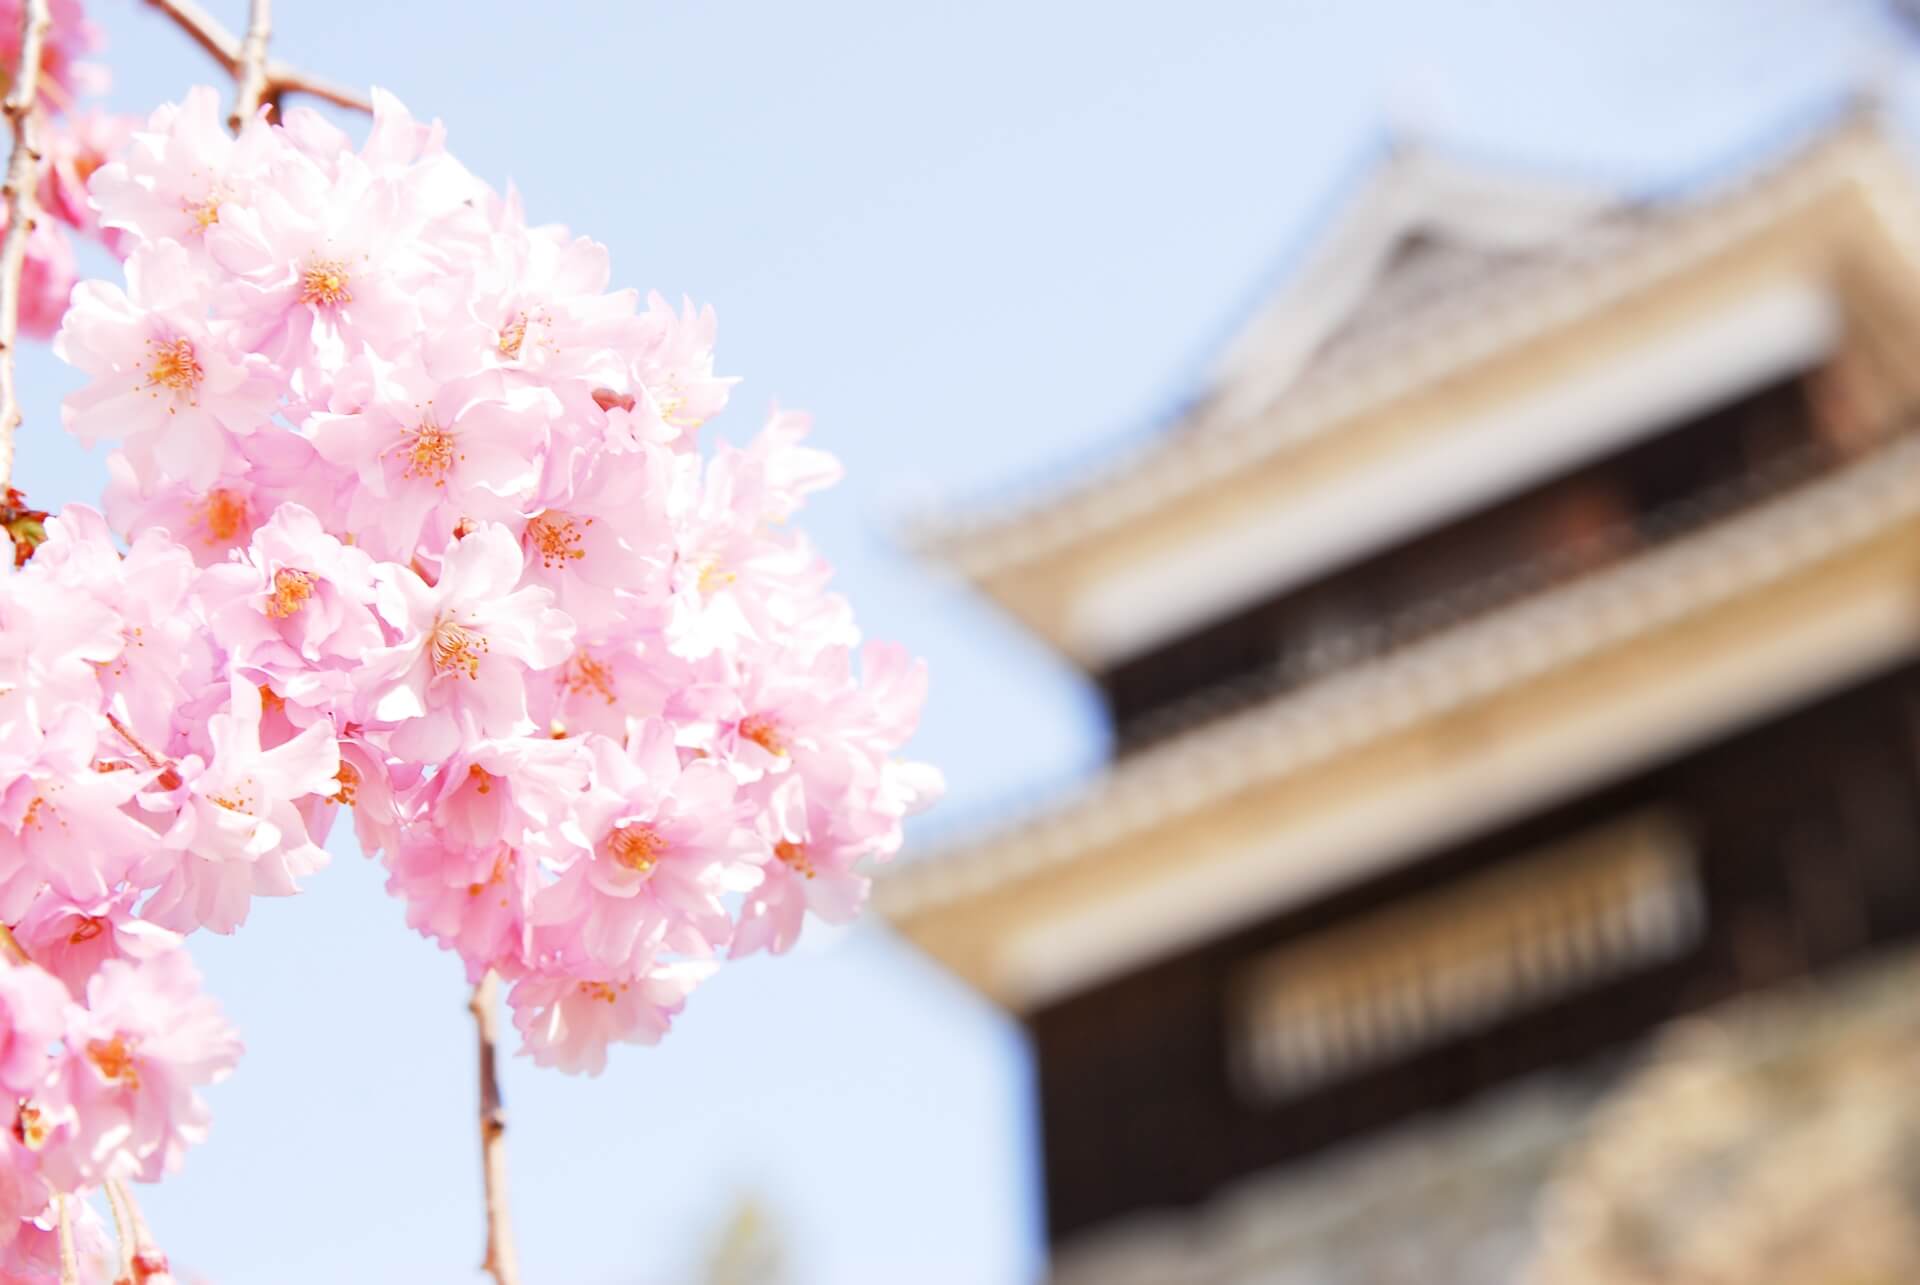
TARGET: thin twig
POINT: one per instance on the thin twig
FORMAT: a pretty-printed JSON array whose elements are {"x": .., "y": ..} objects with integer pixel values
[
  {"x": 169, "y": 778},
  {"x": 500, "y": 1262},
  {"x": 122, "y": 1228},
  {"x": 148, "y": 1263},
  {"x": 23, "y": 177},
  {"x": 154, "y": 761},
  {"x": 281, "y": 78},
  {"x": 250, "y": 77},
  {"x": 69, "y": 1260},
  {"x": 205, "y": 30}
]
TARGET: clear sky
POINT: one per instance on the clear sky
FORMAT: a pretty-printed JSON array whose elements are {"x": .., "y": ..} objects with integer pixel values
[{"x": 977, "y": 241}]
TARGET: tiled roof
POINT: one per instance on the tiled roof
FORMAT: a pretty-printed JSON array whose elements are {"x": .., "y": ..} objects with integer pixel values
[
  {"x": 1294, "y": 731},
  {"x": 1403, "y": 293}
]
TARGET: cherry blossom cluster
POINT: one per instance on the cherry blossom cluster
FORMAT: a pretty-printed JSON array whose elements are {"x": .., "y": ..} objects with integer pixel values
[
  {"x": 466, "y": 569},
  {"x": 104, "y": 1036},
  {"x": 409, "y": 517},
  {"x": 77, "y": 143}
]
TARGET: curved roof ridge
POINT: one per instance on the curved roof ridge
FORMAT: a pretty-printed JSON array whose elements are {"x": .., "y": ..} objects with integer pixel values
[{"x": 1388, "y": 185}]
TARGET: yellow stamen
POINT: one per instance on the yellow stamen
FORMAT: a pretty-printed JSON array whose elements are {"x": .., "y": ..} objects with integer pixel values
[
  {"x": 114, "y": 1060},
  {"x": 512, "y": 335},
  {"x": 205, "y": 212},
  {"x": 714, "y": 577},
  {"x": 349, "y": 778},
  {"x": 764, "y": 732},
  {"x": 637, "y": 847},
  {"x": 430, "y": 452},
  {"x": 30, "y": 1126},
  {"x": 325, "y": 284},
  {"x": 494, "y": 876},
  {"x": 794, "y": 855},
  {"x": 555, "y": 537},
  {"x": 291, "y": 589},
  {"x": 453, "y": 646},
  {"x": 585, "y": 674},
  {"x": 173, "y": 365},
  {"x": 224, "y": 512}
]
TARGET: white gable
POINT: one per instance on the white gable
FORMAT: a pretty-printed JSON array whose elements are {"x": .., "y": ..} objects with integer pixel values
[{"x": 1420, "y": 225}]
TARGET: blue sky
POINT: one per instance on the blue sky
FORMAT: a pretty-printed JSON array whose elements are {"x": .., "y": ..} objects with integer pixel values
[{"x": 977, "y": 241}]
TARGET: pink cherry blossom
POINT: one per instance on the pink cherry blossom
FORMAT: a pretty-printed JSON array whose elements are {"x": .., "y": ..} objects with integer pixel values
[
  {"x": 428, "y": 460},
  {"x": 63, "y": 823},
  {"x": 78, "y": 148},
  {"x": 811, "y": 869},
  {"x": 46, "y": 279},
  {"x": 569, "y": 1023},
  {"x": 70, "y": 38},
  {"x": 474, "y": 901},
  {"x": 417, "y": 523},
  {"x": 239, "y": 834},
  {"x": 664, "y": 847},
  {"x": 466, "y": 645},
  {"x": 33, "y": 1017},
  {"x": 177, "y": 171},
  {"x": 72, "y": 939},
  {"x": 295, "y": 611},
  {"x": 166, "y": 383},
  {"x": 137, "y": 1055},
  {"x": 409, "y": 515}
]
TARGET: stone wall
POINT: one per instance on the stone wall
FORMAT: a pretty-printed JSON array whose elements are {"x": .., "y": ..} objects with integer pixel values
[{"x": 1774, "y": 1141}]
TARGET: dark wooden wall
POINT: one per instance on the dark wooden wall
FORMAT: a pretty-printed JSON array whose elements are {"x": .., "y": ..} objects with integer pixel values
[
  {"x": 1808, "y": 834},
  {"x": 1561, "y": 528}
]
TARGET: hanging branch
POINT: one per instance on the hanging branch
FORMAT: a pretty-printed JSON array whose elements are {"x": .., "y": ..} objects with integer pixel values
[
  {"x": 283, "y": 80},
  {"x": 169, "y": 778},
  {"x": 500, "y": 1262},
  {"x": 142, "y": 1256},
  {"x": 280, "y": 80},
  {"x": 258, "y": 80},
  {"x": 23, "y": 177},
  {"x": 122, "y": 1229},
  {"x": 205, "y": 30},
  {"x": 69, "y": 1260},
  {"x": 250, "y": 77}
]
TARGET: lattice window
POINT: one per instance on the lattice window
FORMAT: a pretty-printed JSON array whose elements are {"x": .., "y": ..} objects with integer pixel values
[{"x": 1555, "y": 922}]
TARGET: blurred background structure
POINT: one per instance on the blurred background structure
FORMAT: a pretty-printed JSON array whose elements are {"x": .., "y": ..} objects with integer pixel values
[{"x": 1514, "y": 648}]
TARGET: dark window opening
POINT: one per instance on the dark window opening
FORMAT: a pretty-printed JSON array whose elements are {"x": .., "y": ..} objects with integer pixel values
[{"x": 1713, "y": 464}]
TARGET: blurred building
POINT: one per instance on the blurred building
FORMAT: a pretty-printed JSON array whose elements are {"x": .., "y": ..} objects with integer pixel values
[{"x": 1515, "y": 649}]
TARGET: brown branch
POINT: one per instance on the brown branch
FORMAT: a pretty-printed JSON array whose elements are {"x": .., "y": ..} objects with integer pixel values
[
  {"x": 500, "y": 1262},
  {"x": 144, "y": 1260},
  {"x": 250, "y": 77},
  {"x": 205, "y": 29},
  {"x": 169, "y": 778},
  {"x": 126, "y": 734},
  {"x": 122, "y": 1229},
  {"x": 23, "y": 177},
  {"x": 281, "y": 79},
  {"x": 69, "y": 1260}
]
